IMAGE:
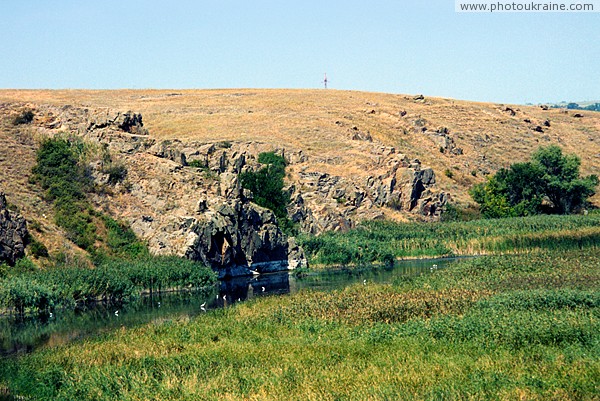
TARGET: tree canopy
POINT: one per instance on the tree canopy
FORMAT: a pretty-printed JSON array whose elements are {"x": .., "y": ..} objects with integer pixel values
[{"x": 549, "y": 183}]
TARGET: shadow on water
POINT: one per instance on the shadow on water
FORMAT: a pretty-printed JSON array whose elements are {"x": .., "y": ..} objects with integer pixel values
[{"x": 24, "y": 335}]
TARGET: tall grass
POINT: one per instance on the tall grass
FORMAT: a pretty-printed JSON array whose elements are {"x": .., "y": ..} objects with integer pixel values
[
  {"x": 115, "y": 280},
  {"x": 467, "y": 332},
  {"x": 384, "y": 241}
]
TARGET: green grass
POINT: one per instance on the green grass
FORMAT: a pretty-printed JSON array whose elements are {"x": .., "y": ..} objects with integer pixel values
[
  {"x": 115, "y": 280},
  {"x": 490, "y": 328},
  {"x": 384, "y": 241}
]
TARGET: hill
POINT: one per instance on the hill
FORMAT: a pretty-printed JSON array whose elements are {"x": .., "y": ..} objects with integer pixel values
[{"x": 352, "y": 155}]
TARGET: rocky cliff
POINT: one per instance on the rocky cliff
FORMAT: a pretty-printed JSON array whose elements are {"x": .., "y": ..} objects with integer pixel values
[
  {"x": 13, "y": 234},
  {"x": 185, "y": 198}
]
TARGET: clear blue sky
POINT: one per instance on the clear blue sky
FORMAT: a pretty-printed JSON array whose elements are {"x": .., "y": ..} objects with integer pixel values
[{"x": 397, "y": 46}]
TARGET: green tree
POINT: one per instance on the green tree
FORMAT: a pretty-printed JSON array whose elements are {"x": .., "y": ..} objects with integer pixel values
[
  {"x": 560, "y": 180},
  {"x": 550, "y": 183},
  {"x": 267, "y": 184}
]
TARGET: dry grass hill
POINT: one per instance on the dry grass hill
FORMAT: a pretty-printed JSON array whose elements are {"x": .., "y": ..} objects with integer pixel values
[{"x": 345, "y": 134}]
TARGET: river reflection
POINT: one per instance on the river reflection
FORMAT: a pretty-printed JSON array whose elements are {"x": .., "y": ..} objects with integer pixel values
[{"x": 25, "y": 335}]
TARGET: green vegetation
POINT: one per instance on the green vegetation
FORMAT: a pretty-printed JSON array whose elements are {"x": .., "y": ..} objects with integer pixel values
[
  {"x": 591, "y": 107},
  {"x": 123, "y": 268},
  {"x": 62, "y": 173},
  {"x": 385, "y": 241},
  {"x": 498, "y": 327},
  {"x": 115, "y": 281},
  {"x": 267, "y": 184},
  {"x": 197, "y": 164},
  {"x": 121, "y": 240},
  {"x": 26, "y": 117},
  {"x": 116, "y": 173},
  {"x": 38, "y": 249},
  {"x": 66, "y": 182},
  {"x": 550, "y": 183}
]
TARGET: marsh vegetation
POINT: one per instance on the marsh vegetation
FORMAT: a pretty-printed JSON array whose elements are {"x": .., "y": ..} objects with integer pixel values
[{"x": 495, "y": 327}]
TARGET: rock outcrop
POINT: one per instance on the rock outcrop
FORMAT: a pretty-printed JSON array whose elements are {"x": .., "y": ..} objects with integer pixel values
[
  {"x": 185, "y": 198},
  {"x": 13, "y": 234},
  {"x": 239, "y": 238}
]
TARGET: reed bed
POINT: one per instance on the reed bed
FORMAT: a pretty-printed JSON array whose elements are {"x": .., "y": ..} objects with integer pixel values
[
  {"x": 383, "y": 242},
  {"x": 485, "y": 328}
]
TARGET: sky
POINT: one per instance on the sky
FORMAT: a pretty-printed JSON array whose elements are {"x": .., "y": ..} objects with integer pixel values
[{"x": 395, "y": 46}]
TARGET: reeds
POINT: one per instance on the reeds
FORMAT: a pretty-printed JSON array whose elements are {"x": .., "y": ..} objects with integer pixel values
[
  {"x": 471, "y": 331},
  {"x": 115, "y": 281},
  {"x": 385, "y": 241}
]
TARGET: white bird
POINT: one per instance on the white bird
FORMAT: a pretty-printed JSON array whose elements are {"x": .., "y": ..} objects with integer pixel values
[
  {"x": 263, "y": 289},
  {"x": 225, "y": 296},
  {"x": 365, "y": 282},
  {"x": 51, "y": 314},
  {"x": 116, "y": 313},
  {"x": 203, "y": 305},
  {"x": 159, "y": 304}
]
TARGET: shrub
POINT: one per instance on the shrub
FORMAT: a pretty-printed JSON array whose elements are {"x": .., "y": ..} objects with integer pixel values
[
  {"x": 197, "y": 164},
  {"x": 267, "y": 184},
  {"x": 38, "y": 249},
  {"x": 122, "y": 240},
  {"x": 75, "y": 218},
  {"x": 116, "y": 173},
  {"x": 58, "y": 172},
  {"x": 524, "y": 188},
  {"x": 25, "y": 117}
]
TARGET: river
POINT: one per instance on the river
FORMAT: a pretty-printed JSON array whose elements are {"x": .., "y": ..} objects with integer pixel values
[{"x": 18, "y": 336}]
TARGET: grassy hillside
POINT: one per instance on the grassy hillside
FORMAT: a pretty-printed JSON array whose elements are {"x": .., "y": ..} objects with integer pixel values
[
  {"x": 318, "y": 121},
  {"x": 321, "y": 123}
]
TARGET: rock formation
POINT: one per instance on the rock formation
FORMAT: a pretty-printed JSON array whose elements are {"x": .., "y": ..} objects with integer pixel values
[
  {"x": 185, "y": 198},
  {"x": 240, "y": 238},
  {"x": 13, "y": 234}
]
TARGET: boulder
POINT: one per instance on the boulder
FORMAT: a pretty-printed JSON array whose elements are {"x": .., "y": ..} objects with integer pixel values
[{"x": 13, "y": 234}]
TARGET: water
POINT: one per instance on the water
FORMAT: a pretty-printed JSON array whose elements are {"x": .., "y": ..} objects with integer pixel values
[{"x": 63, "y": 326}]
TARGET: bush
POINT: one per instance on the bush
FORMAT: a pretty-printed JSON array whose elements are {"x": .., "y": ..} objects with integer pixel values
[
  {"x": 25, "y": 117},
  {"x": 122, "y": 240},
  {"x": 267, "y": 184},
  {"x": 38, "y": 249},
  {"x": 76, "y": 219},
  {"x": 66, "y": 182},
  {"x": 550, "y": 183},
  {"x": 197, "y": 164},
  {"x": 116, "y": 173}
]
